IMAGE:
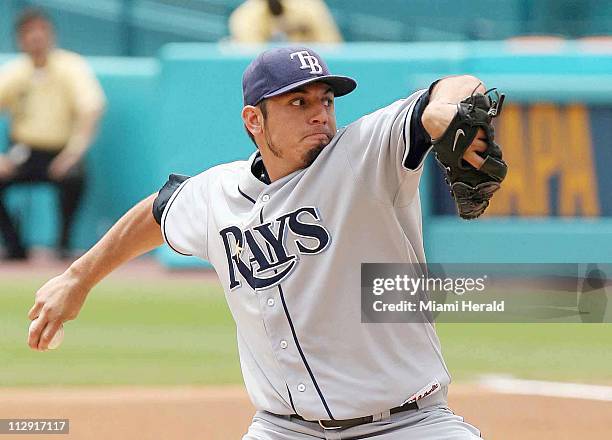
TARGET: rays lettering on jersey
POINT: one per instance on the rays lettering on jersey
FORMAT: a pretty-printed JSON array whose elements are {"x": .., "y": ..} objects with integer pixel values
[{"x": 263, "y": 267}]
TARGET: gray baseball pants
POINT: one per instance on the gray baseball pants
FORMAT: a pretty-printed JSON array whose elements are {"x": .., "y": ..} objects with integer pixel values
[{"x": 435, "y": 422}]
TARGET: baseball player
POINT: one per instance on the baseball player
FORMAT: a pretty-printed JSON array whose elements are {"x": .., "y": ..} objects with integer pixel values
[{"x": 287, "y": 230}]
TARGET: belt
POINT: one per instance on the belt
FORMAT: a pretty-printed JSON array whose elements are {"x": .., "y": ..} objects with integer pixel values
[{"x": 349, "y": 423}]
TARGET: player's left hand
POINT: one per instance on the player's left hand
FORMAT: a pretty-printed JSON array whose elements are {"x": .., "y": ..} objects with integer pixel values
[
  {"x": 437, "y": 117},
  {"x": 61, "y": 165}
]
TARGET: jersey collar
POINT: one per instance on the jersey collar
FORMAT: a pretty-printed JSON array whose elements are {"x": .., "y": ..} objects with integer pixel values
[
  {"x": 249, "y": 185},
  {"x": 259, "y": 169}
]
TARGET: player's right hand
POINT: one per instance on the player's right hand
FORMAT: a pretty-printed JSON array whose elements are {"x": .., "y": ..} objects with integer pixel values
[{"x": 58, "y": 301}]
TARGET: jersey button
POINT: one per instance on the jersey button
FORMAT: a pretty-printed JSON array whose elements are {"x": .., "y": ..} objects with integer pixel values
[
  {"x": 301, "y": 388},
  {"x": 265, "y": 197},
  {"x": 271, "y": 302},
  {"x": 283, "y": 344}
]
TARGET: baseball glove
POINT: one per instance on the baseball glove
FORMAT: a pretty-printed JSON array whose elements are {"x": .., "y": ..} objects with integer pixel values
[{"x": 470, "y": 187}]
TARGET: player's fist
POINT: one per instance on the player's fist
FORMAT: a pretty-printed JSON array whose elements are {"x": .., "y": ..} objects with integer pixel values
[{"x": 58, "y": 301}]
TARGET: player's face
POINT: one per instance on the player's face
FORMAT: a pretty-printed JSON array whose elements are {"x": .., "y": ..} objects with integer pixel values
[
  {"x": 36, "y": 37},
  {"x": 299, "y": 124}
]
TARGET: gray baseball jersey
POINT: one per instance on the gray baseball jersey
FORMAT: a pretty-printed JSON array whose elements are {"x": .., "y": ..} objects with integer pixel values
[{"x": 288, "y": 255}]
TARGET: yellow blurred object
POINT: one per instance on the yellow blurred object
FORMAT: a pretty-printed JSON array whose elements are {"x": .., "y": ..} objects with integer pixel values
[
  {"x": 300, "y": 21},
  {"x": 44, "y": 102}
]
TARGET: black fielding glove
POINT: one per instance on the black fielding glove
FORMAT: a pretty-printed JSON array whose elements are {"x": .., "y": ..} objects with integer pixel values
[{"x": 471, "y": 188}]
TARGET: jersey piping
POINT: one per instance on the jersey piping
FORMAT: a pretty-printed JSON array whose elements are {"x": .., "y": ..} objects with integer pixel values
[
  {"x": 294, "y": 334},
  {"x": 246, "y": 196}
]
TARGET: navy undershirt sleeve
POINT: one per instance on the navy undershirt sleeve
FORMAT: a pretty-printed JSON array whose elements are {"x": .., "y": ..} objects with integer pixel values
[
  {"x": 159, "y": 205},
  {"x": 420, "y": 141}
]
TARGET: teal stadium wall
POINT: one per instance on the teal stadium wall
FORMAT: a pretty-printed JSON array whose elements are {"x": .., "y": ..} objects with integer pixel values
[
  {"x": 181, "y": 113},
  {"x": 141, "y": 27}
]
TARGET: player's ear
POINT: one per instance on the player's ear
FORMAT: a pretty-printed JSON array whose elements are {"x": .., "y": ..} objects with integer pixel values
[{"x": 253, "y": 119}]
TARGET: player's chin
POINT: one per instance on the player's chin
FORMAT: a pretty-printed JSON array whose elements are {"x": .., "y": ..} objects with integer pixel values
[{"x": 311, "y": 155}]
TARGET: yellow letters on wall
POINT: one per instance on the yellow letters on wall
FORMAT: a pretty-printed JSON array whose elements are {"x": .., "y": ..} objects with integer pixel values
[
  {"x": 514, "y": 195},
  {"x": 544, "y": 142},
  {"x": 578, "y": 187}
]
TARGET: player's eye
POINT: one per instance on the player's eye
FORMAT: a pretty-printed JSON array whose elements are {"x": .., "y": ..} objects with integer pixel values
[
  {"x": 297, "y": 102},
  {"x": 328, "y": 102}
]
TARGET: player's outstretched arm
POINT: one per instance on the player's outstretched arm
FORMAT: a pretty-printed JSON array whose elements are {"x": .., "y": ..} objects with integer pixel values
[{"x": 62, "y": 297}]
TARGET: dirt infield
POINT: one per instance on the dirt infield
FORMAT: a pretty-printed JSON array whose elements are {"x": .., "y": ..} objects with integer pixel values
[{"x": 224, "y": 413}]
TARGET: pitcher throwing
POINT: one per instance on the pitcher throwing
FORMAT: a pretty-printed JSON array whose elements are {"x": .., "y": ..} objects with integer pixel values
[{"x": 287, "y": 231}]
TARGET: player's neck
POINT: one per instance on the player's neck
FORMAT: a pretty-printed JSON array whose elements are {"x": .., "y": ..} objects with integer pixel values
[
  {"x": 277, "y": 171},
  {"x": 276, "y": 167}
]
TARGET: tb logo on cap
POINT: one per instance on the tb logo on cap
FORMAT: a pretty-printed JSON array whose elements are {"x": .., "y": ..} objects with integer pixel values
[{"x": 308, "y": 61}]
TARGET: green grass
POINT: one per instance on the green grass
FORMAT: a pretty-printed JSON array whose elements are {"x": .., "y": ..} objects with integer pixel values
[
  {"x": 181, "y": 333},
  {"x": 564, "y": 352},
  {"x": 128, "y": 333}
]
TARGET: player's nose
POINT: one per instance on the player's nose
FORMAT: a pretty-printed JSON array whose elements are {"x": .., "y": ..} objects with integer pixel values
[{"x": 320, "y": 115}]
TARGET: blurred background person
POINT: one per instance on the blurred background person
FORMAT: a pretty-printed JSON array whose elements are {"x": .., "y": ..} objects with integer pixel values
[
  {"x": 54, "y": 103},
  {"x": 260, "y": 21}
]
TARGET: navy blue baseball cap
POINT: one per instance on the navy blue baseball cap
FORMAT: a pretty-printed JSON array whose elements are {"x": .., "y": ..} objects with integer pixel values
[{"x": 280, "y": 70}]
